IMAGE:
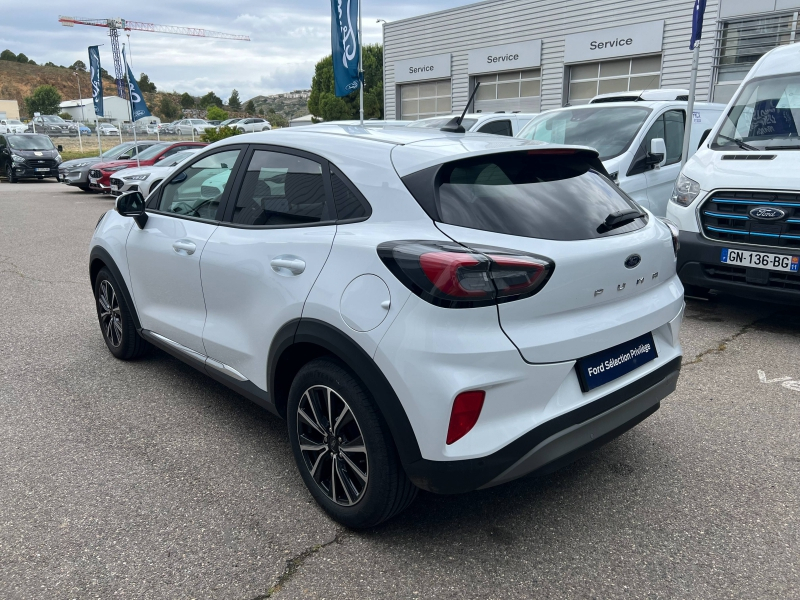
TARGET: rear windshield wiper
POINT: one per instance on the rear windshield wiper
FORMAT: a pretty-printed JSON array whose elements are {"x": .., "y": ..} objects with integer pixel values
[
  {"x": 739, "y": 143},
  {"x": 619, "y": 218}
]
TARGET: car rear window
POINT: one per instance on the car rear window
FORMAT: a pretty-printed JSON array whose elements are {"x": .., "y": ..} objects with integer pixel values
[{"x": 557, "y": 196}]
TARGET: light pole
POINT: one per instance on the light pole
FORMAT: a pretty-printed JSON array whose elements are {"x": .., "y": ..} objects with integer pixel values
[
  {"x": 83, "y": 116},
  {"x": 383, "y": 67}
]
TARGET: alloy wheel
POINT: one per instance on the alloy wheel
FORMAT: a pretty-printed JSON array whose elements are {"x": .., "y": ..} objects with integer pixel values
[
  {"x": 110, "y": 317},
  {"x": 332, "y": 445}
]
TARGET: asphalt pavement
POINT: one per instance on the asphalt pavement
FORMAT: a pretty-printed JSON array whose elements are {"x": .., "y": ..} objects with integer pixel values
[{"x": 148, "y": 480}]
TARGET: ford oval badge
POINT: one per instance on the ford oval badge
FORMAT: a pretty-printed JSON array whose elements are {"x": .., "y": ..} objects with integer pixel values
[
  {"x": 767, "y": 213},
  {"x": 632, "y": 261}
]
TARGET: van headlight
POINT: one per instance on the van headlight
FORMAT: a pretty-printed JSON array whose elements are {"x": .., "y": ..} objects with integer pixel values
[
  {"x": 17, "y": 159},
  {"x": 685, "y": 191}
]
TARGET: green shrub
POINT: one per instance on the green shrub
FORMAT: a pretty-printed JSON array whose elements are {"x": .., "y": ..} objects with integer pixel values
[
  {"x": 215, "y": 135},
  {"x": 215, "y": 113}
]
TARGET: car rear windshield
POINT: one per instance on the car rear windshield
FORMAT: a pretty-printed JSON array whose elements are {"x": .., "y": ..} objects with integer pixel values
[
  {"x": 30, "y": 142},
  {"x": 529, "y": 194}
]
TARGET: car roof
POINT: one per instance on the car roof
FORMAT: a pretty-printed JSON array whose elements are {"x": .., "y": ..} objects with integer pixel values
[
  {"x": 779, "y": 61},
  {"x": 411, "y": 149},
  {"x": 629, "y": 104}
]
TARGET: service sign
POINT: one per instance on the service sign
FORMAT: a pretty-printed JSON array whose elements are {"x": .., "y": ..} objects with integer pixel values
[
  {"x": 508, "y": 57},
  {"x": 420, "y": 69},
  {"x": 643, "y": 38}
]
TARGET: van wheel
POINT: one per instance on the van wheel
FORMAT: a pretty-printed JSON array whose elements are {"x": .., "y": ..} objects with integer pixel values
[
  {"x": 10, "y": 174},
  {"x": 116, "y": 322},
  {"x": 343, "y": 448}
]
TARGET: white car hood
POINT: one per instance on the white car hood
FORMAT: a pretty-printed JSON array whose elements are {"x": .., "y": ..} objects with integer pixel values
[{"x": 713, "y": 171}]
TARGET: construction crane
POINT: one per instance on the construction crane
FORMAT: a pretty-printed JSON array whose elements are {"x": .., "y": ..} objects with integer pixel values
[{"x": 115, "y": 25}]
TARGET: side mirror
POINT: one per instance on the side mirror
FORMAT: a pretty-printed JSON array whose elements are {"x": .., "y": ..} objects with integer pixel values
[
  {"x": 132, "y": 205},
  {"x": 658, "y": 152},
  {"x": 703, "y": 138},
  {"x": 60, "y": 148}
]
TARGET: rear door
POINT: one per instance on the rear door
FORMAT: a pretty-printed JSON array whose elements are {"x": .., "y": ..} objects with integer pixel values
[{"x": 260, "y": 264}]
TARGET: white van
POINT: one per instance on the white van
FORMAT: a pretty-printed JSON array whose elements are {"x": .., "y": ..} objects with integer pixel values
[
  {"x": 737, "y": 200},
  {"x": 640, "y": 141}
]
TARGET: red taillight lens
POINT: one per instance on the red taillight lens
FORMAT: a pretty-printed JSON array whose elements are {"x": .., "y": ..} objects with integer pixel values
[
  {"x": 466, "y": 409},
  {"x": 453, "y": 276}
]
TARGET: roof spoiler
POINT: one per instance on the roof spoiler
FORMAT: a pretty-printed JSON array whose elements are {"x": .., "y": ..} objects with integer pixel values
[{"x": 454, "y": 124}]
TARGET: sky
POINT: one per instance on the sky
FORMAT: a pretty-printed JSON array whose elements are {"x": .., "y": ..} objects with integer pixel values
[{"x": 287, "y": 37}]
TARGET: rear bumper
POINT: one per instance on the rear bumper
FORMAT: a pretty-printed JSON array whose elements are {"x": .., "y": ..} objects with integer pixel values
[
  {"x": 699, "y": 264},
  {"x": 553, "y": 443}
]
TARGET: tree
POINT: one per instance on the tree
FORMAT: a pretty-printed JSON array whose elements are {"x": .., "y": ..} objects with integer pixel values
[
  {"x": 145, "y": 84},
  {"x": 215, "y": 135},
  {"x": 44, "y": 99},
  {"x": 168, "y": 109},
  {"x": 250, "y": 108},
  {"x": 104, "y": 73},
  {"x": 261, "y": 111},
  {"x": 66, "y": 116},
  {"x": 31, "y": 62},
  {"x": 21, "y": 58},
  {"x": 50, "y": 64},
  {"x": 209, "y": 99},
  {"x": 187, "y": 101},
  {"x": 323, "y": 102},
  {"x": 276, "y": 119},
  {"x": 215, "y": 113},
  {"x": 8, "y": 55},
  {"x": 78, "y": 65},
  {"x": 234, "y": 102}
]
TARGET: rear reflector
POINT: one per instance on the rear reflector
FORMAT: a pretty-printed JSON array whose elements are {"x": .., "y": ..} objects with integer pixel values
[{"x": 466, "y": 410}]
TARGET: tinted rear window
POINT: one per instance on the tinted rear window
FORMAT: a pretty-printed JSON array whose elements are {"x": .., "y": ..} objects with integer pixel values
[{"x": 553, "y": 197}]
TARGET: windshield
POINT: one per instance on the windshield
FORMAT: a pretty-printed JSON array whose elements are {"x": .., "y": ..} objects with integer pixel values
[
  {"x": 608, "y": 129},
  {"x": 14, "y": 122},
  {"x": 30, "y": 142},
  {"x": 764, "y": 116},
  {"x": 116, "y": 150},
  {"x": 436, "y": 123},
  {"x": 152, "y": 151},
  {"x": 106, "y": 126},
  {"x": 52, "y": 119},
  {"x": 198, "y": 122},
  {"x": 175, "y": 159}
]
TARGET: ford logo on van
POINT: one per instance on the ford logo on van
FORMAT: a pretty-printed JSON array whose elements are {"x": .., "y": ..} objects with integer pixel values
[{"x": 767, "y": 213}]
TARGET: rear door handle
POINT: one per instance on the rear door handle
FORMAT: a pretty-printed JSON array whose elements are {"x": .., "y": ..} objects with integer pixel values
[
  {"x": 288, "y": 265},
  {"x": 185, "y": 247}
]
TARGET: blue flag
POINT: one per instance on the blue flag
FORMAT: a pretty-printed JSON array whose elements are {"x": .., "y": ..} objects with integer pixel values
[
  {"x": 138, "y": 107},
  {"x": 97, "y": 82},
  {"x": 345, "y": 46},
  {"x": 697, "y": 22}
]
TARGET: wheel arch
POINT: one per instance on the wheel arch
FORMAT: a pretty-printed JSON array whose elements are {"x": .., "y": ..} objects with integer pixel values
[
  {"x": 302, "y": 340},
  {"x": 99, "y": 258}
]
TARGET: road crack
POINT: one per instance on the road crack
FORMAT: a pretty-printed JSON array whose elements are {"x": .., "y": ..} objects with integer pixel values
[
  {"x": 5, "y": 261},
  {"x": 723, "y": 344},
  {"x": 294, "y": 563}
]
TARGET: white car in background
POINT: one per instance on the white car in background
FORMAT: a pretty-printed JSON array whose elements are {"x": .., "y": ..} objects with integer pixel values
[
  {"x": 252, "y": 125},
  {"x": 12, "y": 126},
  {"x": 508, "y": 124},
  {"x": 145, "y": 179},
  {"x": 107, "y": 129},
  {"x": 192, "y": 126}
]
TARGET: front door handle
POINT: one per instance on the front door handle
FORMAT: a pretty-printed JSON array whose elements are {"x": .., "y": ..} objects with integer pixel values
[
  {"x": 184, "y": 247},
  {"x": 288, "y": 265}
]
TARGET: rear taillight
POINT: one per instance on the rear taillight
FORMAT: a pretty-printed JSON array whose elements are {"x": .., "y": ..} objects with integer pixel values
[
  {"x": 452, "y": 276},
  {"x": 466, "y": 409}
]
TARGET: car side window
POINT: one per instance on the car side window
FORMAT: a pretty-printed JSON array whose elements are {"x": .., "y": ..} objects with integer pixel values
[
  {"x": 281, "y": 189},
  {"x": 349, "y": 205},
  {"x": 500, "y": 127},
  {"x": 197, "y": 190}
]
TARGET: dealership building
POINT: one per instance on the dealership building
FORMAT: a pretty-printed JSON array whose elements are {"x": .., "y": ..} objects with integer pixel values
[{"x": 535, "y": 55}]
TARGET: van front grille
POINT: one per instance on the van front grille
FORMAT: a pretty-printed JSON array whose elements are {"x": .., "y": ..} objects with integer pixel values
[{"x": 727, "y": 216}]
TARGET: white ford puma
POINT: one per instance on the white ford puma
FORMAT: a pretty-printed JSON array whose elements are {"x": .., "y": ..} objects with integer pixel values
[{"x": 428, "y": 310}]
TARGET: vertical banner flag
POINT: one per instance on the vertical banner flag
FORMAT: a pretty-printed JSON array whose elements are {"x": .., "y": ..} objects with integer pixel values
[
  {"x": 345, "y": 46},
  {"x": 138, "y": 107},
  {"x": 697, "y": 22},
  {"x": 97, "y": 82}
]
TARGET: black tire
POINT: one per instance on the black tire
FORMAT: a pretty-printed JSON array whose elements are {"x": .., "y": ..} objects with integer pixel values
[
  {"x": 386, "y": 491},
  {"x": 116, "y": 322},
  {"x": 695, "y": 291},
  {"x": 10, "y": 174}
]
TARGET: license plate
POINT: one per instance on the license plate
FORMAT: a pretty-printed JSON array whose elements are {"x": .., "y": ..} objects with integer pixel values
[
  {"x": 42, "y": 170},
  {"x": 761, "y": 260},
  {"x": 92, "y": 180},
  {"x": 607, "y": 365}
]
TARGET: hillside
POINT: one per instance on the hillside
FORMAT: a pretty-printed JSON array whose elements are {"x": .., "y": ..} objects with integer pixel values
[
  {"x": 18, "y": 80},
  {"x": 290, "y": 108}
]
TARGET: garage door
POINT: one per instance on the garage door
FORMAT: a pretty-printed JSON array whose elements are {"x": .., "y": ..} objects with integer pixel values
[
  {"x": 422, "y": 100},
  {"x": 509, "y": 91},
  {"x": 621, "y": 75}
]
